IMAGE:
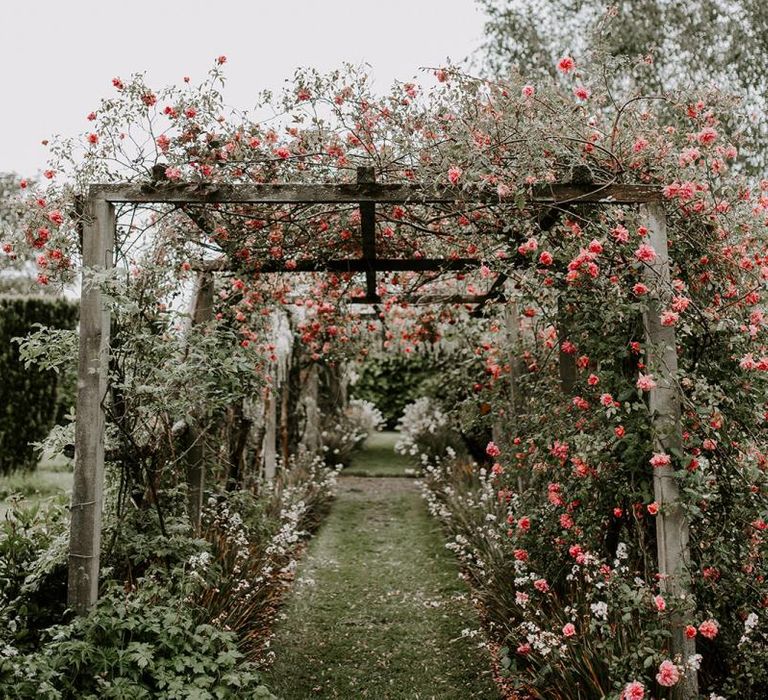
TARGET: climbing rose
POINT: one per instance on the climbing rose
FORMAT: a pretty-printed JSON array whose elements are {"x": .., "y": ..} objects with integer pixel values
[
  {"x": 640, "y": 289},
  {"x": 690, "y": 631},
  {"x": 569, "y": 630},
  {"x": 660, "y": 603},
  {"x": 633, "y": 691},
  {"x": 541, "y": 585},
  {"x": 653, "y": 508},
  {"x": 528, "y": 91},
  {"x": 706, "y": 136},
  {"x": 581, "y": 92},
  {"x": 709, "y": 629},
  {"x": 56, "y": 217},
  {"x": 454, "y": 173},
  {"x": 173, "y": 173},
  {"x": 645, "y": 253},
  {"x": 645, "y": 382},
  {"x": 660, "y": 459},
  {"x": 668, "y": 674},
  {"x": 492, "y": 450},
  {"x": 669, "y": 318},
  {"x": 566, "y": 64}
]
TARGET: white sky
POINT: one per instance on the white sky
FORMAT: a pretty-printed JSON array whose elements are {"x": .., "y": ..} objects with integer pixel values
[{"x": 58, "y": 57}]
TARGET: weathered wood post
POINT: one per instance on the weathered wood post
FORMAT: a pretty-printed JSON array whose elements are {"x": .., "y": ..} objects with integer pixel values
[
  {"x": 201, "y": 312},
  {"x": 311, "y": 437},
  {"x": 664, "y": 403},
  {"x": 269, "y": 446},
  {"x": 93, "y": 368}
]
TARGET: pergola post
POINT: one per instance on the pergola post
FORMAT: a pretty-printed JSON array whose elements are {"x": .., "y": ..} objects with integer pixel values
[
  {"x": 201, "y": 312},
  {"x": 269, "y": 446},
  {"x": 664, "y": 403},
  {"x": 93, "y": 368},
  {"x": 311, "y": 437}
]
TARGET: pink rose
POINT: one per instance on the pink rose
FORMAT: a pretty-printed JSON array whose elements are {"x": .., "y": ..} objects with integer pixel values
[
  {"x": 454, "y": 173},
  {"x": 668, "y": 674},
  {"x": 633, "y": 691}
]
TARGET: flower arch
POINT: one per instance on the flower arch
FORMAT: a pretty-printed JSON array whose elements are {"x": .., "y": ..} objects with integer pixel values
[{"x": 482, "y": 197}]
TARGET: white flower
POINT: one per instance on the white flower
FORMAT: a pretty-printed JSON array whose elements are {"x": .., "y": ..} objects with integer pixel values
[{"x": 600, "y": 610}]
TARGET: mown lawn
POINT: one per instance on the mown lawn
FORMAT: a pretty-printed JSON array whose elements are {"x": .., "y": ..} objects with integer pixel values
[
  {"x": 51, "y": 480},
  {"x": 378, "y": 608},
  {"x": 379, "y": 458}
]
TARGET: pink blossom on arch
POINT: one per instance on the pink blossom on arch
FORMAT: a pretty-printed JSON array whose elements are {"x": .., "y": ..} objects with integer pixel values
[
  {"x": 709, "y": 629},
  {"x": 566, "y": 64},
  {"x": 660, "y": 459},
  {"x": 668, "y": 674},
  {"x": 454, "y": 174},
  {"x": 492, "y": 449},
  {"x": 706, "y": 136},
  {"x": 645, "y": 253},
  {"x": 528, "y": 91},
  {"x": 645, "y": 382},
  {"x": 583, "y": 93},
  {"x": 669, "y": 318},
  {"x": 56, "y": 217},
  {"x": 633, "y": 691},
  {"x": 569, "y": 630}
]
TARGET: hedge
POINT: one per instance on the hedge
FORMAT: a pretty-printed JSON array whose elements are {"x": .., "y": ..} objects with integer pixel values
[{"x": 29, "y": 398}]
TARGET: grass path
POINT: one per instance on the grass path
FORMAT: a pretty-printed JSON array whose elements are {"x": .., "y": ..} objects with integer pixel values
[{"x": 378, "y": 609}]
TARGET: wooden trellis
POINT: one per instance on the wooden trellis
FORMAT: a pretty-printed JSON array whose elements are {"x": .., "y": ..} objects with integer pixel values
[{"x": 98, "y": 240}]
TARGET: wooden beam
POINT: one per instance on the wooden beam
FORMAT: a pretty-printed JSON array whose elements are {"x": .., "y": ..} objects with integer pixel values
[
  {"x": 367, "y": 176},
  {"x": 93, "y": 368},
  {"x": 381, "y": 193},
  {"x": 424, "y": 299},
  {"x": 348, "y": 265},
  {"x": 664, "y": 403}
]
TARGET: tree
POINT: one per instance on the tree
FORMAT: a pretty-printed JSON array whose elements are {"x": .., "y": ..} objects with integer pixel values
[{"x": 709, "y": 42}]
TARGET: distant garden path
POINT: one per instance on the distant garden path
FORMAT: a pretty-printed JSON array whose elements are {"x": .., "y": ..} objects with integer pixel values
[{"x": 378, "y": 609}]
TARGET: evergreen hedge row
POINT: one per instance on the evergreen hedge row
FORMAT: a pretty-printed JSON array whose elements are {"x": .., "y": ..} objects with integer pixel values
[{"x": 29, "y": 398}]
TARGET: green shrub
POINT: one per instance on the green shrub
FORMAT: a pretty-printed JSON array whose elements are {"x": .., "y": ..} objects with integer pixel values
[
  {"x": 30, "y": 399},
  {"x": 120, "y": 651},
  {"x": 393, "y": 381}
]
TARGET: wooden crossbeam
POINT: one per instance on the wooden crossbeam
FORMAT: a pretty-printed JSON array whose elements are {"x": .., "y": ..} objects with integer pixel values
[
  {"x": 424, "y": 299},
  {"x": 381, "y": 193},
  {"x": 368, "y": 231},
  {"x": 348, "y": 265}
]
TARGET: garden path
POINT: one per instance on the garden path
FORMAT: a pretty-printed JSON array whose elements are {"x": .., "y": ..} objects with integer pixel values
[{"x": 378, "y": 610}]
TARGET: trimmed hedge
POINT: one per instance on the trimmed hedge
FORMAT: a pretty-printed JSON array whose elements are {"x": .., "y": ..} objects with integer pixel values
[{"x": 29, "y": 398}]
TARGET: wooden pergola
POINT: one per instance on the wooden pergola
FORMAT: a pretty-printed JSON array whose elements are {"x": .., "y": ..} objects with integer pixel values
[{"x": 98, "y": 239}]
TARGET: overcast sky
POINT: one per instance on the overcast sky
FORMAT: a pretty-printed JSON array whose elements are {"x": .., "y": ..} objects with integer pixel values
[{"x": 57, "y": 57}]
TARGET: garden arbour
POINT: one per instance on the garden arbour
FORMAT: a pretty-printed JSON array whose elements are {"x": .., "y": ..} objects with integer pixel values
[
  {"x": 98, "y": 234},
  {"x": 466, "y": 200}
]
